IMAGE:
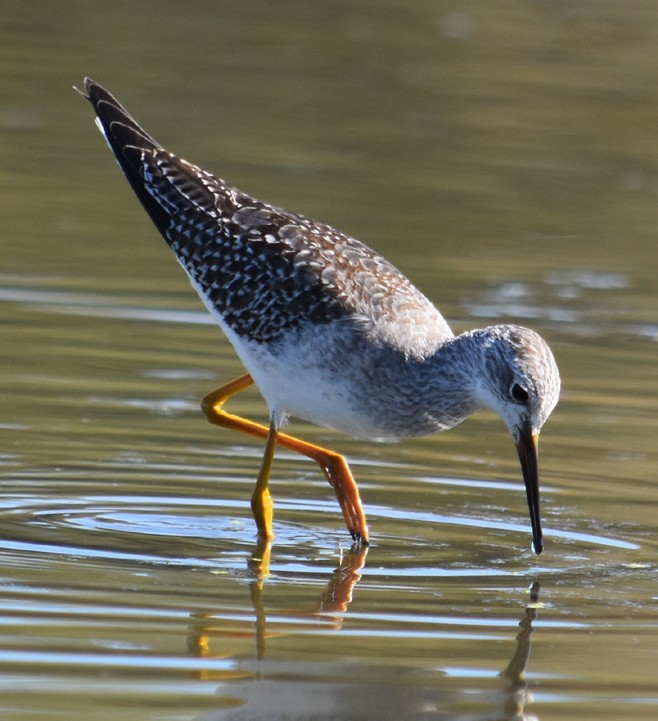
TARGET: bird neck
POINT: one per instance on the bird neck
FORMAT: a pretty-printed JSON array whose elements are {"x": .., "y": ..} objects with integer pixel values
[{"x": 446, "y": 385}]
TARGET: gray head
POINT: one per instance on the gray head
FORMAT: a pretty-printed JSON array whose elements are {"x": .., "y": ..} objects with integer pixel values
[{"x": 521, "y": 383}]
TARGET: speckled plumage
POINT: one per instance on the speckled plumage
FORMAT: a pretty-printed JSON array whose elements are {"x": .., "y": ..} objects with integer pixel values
[{"x": 329, "y": 330}]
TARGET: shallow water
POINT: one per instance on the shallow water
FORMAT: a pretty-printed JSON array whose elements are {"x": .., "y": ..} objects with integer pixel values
[{"x": 506, "y": 160}]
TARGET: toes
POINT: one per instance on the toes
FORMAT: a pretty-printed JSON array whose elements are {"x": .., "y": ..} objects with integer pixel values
[{"x": 359, "y": 539}]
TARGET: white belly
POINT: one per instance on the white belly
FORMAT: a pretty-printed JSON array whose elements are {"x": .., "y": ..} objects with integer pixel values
[
  {"x": 296, "y": 382},
  {"x": 294, "y": 385}
]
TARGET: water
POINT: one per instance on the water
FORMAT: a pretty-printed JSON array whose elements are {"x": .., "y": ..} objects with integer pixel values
[{"x": 506, "y": 159}]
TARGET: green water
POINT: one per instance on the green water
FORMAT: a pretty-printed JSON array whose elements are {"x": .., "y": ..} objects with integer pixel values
[{"x": 505, "y": 156}]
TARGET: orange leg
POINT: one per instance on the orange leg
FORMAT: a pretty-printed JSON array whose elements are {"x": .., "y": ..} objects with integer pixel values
[{"x": 334, "y": 465}]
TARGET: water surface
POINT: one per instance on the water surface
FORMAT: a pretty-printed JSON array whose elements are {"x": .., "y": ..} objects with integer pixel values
[{"x": 505, "y": 157}]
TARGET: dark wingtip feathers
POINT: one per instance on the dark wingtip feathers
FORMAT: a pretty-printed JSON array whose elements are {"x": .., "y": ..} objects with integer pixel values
[
  {"x": 121, "y": 130},
  {"x": 131, "y": 145},
  {"x": 94, "y": 92}
]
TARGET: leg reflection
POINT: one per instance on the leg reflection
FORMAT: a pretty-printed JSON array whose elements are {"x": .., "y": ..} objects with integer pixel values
[
  {"x": 332, "y": 603},
  {"x": 338, "y": 594}
]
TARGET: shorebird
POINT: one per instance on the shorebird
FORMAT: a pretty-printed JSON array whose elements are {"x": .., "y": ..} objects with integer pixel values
[{"x": 328, "y": 329}]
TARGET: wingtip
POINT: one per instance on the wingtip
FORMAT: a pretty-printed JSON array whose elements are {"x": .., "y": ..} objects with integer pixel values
[{"x": 89, "y": 85}]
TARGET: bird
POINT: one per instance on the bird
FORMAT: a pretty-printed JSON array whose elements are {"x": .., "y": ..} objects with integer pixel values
[{"x": 327, "y": 329}]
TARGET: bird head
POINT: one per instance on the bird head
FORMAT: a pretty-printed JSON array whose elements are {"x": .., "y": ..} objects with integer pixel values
[{"x": 521, "y": 383}]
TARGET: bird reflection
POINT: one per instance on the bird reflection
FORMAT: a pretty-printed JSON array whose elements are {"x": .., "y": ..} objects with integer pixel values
[{"x": 345, "y": 691}]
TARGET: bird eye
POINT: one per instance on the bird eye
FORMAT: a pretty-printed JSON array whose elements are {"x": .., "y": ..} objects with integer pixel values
[{"x": 519, "y": 393}]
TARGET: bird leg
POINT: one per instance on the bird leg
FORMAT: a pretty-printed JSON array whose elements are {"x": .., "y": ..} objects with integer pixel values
[
  {"x": 333, "y": 465},
  {"x": 261, "y": 500}
]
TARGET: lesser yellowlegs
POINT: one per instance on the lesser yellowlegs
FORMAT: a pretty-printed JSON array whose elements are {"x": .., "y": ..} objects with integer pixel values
[{"x": 327, "y": 328}]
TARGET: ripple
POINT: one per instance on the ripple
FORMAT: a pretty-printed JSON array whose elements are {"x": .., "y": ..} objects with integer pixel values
[
  {"x": 219, "y": 534},
  {"x": 588, "y": 279},
  {"x": 98, "y": 306},
  {"x": 151, "y": 529},
  {"x": 437, "y": 518}
]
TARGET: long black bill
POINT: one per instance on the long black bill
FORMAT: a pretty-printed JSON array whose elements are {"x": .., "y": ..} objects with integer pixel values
[{"x": 529, "y": 457}]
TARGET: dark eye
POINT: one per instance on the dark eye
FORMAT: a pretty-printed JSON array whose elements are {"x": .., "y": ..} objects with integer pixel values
[{"x": 519, "y": 393}]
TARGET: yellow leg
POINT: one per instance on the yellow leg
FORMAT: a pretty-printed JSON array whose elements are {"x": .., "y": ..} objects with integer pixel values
[
  {"x": 261, "y": 500},
  {"x": 333, "y": 464}
]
